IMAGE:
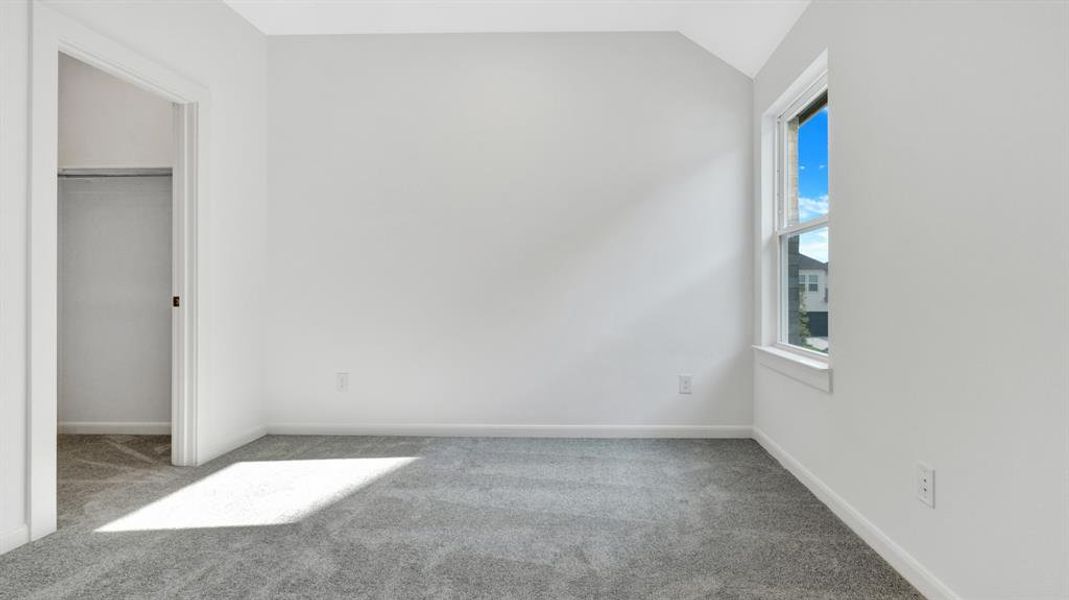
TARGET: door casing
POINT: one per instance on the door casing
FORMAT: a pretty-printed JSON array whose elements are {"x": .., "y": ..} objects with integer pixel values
[{"x": 54, "y": 33}]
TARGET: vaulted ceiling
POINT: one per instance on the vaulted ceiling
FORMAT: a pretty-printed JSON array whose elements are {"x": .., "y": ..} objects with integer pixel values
[{"x": 742, "y": 33}]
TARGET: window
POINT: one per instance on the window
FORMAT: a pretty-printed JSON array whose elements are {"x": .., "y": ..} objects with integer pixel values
[{"x": 802, "y": 224}]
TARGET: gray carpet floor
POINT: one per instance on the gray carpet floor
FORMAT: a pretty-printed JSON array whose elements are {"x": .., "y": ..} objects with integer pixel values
[{"x": 465, "y": 518}]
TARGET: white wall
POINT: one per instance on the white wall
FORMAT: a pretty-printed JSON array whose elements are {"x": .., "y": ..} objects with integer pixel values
[
  {"x": 508, "y": 229},
  {"x": 115, "y": 304},
  {"x": 106, "y": 122},
  {"x": 948, "y": 174},
  {"x": 211, "y": 45},
  {"x": 14, "y": 58},
  {"x": 115, "y": 255}
]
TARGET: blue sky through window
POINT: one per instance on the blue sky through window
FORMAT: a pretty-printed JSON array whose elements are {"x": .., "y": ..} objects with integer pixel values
[{"x": 813, "y": 181}]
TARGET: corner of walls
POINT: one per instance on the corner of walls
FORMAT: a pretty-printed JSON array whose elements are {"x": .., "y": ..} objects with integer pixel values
[
  {"x": 919, "y": 198},
  {"x": 218, "y": 447},
  {"x": 10, "y": 540},
  {"x": 415, "y": 235},
  {"x": 901, "y": 560}
]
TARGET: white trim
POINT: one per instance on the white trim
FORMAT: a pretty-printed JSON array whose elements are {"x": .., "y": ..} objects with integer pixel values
[
  {"x": 514, "y": 430},
  {"x": 42, "y": 274},
  {"x": 187, "y": 185},
  {"x": 768, "y": 292},
  {"x": 239, "y": 441},
  {"x": 812, "y": 355},
  {"x": 104, "y": 427},
  {"x": 903, "y": 562},
  {"x": 783, "y": 230},
  {"x": 52, "y": 33},
  {"x": 804, "y": 227},
  {"x": 103, "y": 172},
  {"x": 817, "y": 86},
  {"x": 812, "y": 372},
  {"x": 15, "y": 538}
]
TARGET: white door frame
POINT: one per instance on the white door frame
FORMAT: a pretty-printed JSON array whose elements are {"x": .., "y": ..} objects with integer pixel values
[{"x": 53, "y": 33}]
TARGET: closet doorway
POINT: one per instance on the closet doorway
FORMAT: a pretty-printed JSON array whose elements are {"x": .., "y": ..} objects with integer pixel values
[
  {"x": 58, "y": 40},
  {"x": 115, "y": 297}
]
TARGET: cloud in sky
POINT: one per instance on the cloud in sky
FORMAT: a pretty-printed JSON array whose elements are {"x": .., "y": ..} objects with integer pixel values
[
  {"x": 814, "y": 244},
  {"x": 813, "y": 182},
  {"x": 811, "y": 208}
]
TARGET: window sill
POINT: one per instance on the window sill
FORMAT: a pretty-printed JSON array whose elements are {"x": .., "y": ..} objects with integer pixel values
[{"x": 813, "y": 372}]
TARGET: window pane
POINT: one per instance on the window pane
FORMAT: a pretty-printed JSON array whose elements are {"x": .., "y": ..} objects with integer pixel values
[
  {"x": 806, "y": 305},
  {"x": 807, "y": 157}
]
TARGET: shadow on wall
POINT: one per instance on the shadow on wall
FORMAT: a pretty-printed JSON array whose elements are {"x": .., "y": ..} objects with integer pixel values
[
  {"x": 695, "y": 317},
  {"x": 497, "y": 225},
  {"x": 627, "y": 301}
]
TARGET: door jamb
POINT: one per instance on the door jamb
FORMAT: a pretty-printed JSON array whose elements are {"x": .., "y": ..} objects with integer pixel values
[{"x": 54, "y": 33}]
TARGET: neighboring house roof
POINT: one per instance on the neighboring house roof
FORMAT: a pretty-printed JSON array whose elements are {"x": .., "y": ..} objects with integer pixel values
[{"x": 806, "y": 263}]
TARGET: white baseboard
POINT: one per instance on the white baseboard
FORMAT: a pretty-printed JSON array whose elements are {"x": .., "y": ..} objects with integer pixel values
[
  {"x": 903, "y": 562},
  {"x": 13, "y": 539},
  {"x": 235, "y": 443},
  {"x": 490, "y": 430},
  {"x": 103, "y": 427}
]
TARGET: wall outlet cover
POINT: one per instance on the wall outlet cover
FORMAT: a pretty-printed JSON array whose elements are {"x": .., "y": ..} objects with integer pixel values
[
  {"x": 686, "y": 384},
  {"x": 925, "y": 484}
]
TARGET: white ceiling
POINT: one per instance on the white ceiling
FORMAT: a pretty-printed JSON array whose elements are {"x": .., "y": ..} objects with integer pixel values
[{"x": 743, "y": 33}]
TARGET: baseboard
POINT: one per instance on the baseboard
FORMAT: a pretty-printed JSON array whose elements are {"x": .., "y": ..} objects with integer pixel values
[
  {"x": 103, "y": 427},
  {"x": 246, "y": 438},
  {"x": 903, "y": 562},
  {"x": 490, "y": 430},
  {"x": 14, "y": 539}
]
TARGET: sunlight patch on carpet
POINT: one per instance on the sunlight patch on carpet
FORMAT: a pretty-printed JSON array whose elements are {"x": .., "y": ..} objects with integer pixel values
[{"x": 249, "y": 494}]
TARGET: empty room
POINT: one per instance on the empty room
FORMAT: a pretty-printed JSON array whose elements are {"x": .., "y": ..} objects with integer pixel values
[{"x": 516, "y": 299}]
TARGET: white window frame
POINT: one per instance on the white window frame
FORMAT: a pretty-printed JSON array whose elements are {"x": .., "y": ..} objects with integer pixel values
[
  {"x": 807, "y": 366},
  {"x": 783, "y": 230}
]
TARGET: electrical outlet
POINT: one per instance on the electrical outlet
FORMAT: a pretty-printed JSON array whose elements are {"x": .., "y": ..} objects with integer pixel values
[
  {"x": 685, "y": 385},
  {"x": 925, "y": 483},
  {"x": 341, "y": 382}
]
